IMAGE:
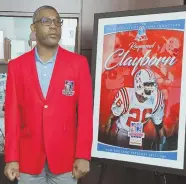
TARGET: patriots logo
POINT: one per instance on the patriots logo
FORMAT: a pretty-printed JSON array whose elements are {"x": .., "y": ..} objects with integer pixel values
[{"x": 69, "y": 88}]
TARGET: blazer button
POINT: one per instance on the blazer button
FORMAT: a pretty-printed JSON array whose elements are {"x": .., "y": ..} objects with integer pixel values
[{"x": 46, "y": 106}]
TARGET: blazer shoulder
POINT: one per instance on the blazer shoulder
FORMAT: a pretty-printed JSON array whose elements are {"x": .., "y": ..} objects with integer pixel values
[
  {"x": 76, "y": 60},
  {"x": 14, "y": 63},
  {"x": 73, "y": 55}
]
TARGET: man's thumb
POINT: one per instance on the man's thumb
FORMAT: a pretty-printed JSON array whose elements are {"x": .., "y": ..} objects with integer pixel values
[{"x": 17, "y": 174}]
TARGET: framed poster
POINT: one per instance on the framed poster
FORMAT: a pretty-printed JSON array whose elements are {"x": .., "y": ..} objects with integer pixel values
[{"x": 139, "y": 76}]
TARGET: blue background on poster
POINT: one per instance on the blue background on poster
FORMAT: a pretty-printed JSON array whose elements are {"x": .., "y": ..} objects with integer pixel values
[
  {"x": 165, "y": 24},
  {"x": 153, "y": 154}
]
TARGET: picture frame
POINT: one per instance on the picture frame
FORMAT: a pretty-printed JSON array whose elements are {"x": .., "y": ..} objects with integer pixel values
[{"x": 157, "y": 37}]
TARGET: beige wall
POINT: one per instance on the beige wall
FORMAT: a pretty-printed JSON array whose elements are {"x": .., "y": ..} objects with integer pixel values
[
  {"x": 96, "y": 6},
  {"x": 63, "y": 6},
  {"x": 170, "y": 2}
]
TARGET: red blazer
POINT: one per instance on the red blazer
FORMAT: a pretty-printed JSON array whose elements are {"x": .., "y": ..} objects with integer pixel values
[{"x": 58, "y": 128}]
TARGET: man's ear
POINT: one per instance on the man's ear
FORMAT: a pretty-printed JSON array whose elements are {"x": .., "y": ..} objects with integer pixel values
[{"x": 33, "y": 27}]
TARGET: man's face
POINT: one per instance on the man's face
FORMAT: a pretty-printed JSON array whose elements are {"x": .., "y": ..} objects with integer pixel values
[
  {"x": 47, "y": 28},
  {"x": 149, "y": 88}
]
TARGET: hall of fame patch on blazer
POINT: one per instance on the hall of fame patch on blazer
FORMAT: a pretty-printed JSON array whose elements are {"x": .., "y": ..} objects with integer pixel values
[{"x": 69, "y": 88}]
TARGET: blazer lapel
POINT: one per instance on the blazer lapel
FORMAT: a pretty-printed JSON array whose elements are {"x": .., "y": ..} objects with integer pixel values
[
  {"x": 58, "y": 72},
  {"x": 57, "y": 75},
  {"x": 33, "y": 73}
]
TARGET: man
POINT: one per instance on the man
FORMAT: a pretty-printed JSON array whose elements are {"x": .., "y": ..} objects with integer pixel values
[
  {"x": 137, "y": 106},
  {"x": 48, "y": 127}
]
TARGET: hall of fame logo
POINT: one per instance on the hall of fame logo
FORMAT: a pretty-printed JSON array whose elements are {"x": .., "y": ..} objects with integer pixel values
[
  {"x": 136, "y": 134},
  {"x": 141, "y": 35},
  {"x": 69, "y": 88}
]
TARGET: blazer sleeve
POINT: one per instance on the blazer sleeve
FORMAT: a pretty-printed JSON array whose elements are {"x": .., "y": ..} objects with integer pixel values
[
  {"x": 85, "y": 113},
  {"x": 12, "y": 118}
]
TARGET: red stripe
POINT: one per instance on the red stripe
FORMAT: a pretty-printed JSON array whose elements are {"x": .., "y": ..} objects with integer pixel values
[
  {"x": 157, "y": 102},
  {"x": 124, "y": 101},
  {"x": 161, "y": 102},
  {"x": 149, "y": 72},
  {"x": 127, "y": 98}
]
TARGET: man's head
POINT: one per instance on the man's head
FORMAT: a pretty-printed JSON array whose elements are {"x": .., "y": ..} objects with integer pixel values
[
  {"x": 47, "y": 26},
  {"x": 145, "y": 83}
]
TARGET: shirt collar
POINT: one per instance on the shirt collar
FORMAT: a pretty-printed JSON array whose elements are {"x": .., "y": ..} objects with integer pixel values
[{"x": 49, "y": 61}]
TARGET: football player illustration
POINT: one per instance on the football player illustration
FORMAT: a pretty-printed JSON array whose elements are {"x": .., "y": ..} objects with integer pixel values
[{"x": 143, "y": 103}]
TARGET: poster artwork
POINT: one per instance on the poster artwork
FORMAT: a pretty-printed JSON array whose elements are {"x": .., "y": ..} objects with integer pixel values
[
  {"x": 2, "y": 135},
  {"x": 140, "y": 88},
  {"x": 3, "y": 78}
]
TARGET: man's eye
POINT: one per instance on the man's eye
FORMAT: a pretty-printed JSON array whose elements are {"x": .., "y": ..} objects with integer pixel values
[
  {"x": 58, "y": 21},
  {"x": 45, "y": 20}
]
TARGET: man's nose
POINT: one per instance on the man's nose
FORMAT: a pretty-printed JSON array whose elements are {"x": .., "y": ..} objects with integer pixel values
[{"x": 53, "y": 25}]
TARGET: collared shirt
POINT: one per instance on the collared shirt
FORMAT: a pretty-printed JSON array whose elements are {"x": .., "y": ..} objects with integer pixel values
[{"x": 44, "y": 70}]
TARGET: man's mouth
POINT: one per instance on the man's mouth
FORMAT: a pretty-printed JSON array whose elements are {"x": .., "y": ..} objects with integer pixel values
[
  {"x": 147, "y": 92},
  {"x": 53, "y": 35}
]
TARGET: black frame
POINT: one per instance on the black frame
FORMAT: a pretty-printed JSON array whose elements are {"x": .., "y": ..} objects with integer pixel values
[{"x": 98, "y": 16}]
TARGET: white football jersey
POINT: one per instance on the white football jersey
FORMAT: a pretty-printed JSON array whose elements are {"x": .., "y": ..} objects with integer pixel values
[{"x": 128, "y": 108}]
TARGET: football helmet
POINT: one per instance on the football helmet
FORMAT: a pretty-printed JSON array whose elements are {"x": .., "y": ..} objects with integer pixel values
[{"x": 145, "y": 83}]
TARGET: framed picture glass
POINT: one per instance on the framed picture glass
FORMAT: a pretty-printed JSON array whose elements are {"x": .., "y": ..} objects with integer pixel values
[{"x": 16, "y": 37}]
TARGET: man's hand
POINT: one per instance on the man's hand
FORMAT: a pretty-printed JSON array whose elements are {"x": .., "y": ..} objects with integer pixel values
[
  {"x": 12, "y": 170},
  {"x": 108, "y": 126},
  {"x": 80, "y": 168}
]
